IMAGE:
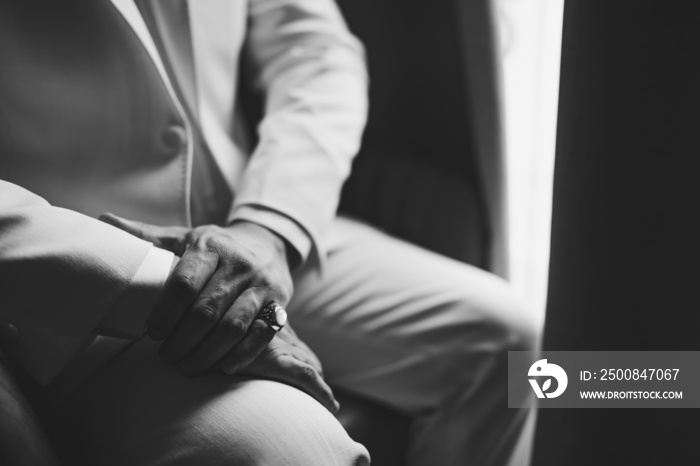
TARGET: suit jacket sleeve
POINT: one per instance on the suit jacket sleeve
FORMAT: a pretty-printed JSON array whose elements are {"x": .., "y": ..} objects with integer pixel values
[
  {"x": 313, "y": 74},
  {"x": 60, "y": 274}
]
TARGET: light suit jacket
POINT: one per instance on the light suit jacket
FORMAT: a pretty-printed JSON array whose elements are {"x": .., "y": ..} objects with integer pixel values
[{"x": 93, "y": 121}]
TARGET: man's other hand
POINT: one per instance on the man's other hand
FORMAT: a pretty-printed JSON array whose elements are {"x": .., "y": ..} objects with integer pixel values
[
  {"x": 287, "y": 359},
  {"x": 207, "y": 310}
]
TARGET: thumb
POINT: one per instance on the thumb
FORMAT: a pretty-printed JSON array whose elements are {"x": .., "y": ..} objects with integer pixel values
[{"x": 172, "y": 238}]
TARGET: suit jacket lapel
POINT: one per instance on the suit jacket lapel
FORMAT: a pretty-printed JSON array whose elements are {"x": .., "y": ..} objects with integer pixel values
[
  {"x": 170, "y": 23},
  {"x": 133, "y": 18}
]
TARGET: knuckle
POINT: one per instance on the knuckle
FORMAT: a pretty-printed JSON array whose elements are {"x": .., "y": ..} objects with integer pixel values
[
  {"x": 205, "y": 315},
  {"x": 307, "y": 373},
  {"x": 185, "y": 284},
  {"x": 243, "y": 265},
  {"x": 200, "y": 244},
  {"x": 233, "y": 328},
  {"x": 263, "y": 281},
  {"x": 284, "y": 296},
  {"x": 191, "y": 237},
  {"x": 212, "y": 243},
  {"x": 217, "y": 291},
  {"x": 202, "y": 238},
  {"x": 245, "y": 268},
  {"x": 248, "y": 309},
  {"x": 280, "y": 289}
]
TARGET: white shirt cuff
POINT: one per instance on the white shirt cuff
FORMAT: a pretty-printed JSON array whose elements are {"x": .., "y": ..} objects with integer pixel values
[
  {"x": 279, "y": 223},
  {"x": 128, "y": 317}
]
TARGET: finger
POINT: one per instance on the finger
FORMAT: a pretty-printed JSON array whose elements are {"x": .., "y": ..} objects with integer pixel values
[
  {"x": 172, "y": 238},
  {"x": 208, "y": 309},
  {"x": 310, "y": 358},
  {"x": 185, "y": 283},
  {"x": 291, "y": 371},
  {"x": 259, "y": 336},
  {"x": 237, "y": 328},
  {"x": 301, "y": 350}
]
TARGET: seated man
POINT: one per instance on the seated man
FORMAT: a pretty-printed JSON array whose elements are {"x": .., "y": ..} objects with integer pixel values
[{"x": 130, "y": 107}]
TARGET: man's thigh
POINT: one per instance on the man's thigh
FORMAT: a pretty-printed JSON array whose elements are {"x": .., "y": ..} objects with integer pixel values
[
  {"x": 137, "y": 410},
  {"x": 401, "y": 324}
]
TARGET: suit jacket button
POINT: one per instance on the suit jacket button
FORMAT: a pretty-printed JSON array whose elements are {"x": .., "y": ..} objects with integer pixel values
[
  {"x": 8, "y": 333},
  {"x": 174, "y": 139}
]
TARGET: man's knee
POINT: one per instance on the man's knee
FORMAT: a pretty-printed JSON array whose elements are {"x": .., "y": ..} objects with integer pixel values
[
  {"x": 492, "y": 320},
  {"x": 278, "y": 425},
  {"x": 216, "y": 420}
]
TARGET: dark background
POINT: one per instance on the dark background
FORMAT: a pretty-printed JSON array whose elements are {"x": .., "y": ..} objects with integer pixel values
[{"x": 625, "y": 260}]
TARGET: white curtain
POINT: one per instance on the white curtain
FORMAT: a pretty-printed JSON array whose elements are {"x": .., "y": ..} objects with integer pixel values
[{"x": 530, "y": 32}]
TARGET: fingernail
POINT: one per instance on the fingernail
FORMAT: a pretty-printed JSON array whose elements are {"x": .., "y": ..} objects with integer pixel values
[
  {"x": 156, "y": 334},
  {"x": 336, "y": 406},
  {"x": 187, "y": 369},
  {"x": 232, "y": 369}
]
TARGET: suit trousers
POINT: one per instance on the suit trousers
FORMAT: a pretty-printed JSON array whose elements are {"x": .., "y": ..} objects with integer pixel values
[{"x": 390, "y": 321}]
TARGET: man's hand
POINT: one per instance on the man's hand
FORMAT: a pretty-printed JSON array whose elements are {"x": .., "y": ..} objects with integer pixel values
[
  {"x": 207, "y": 311},
  {"x": 288, "y": 360}
]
